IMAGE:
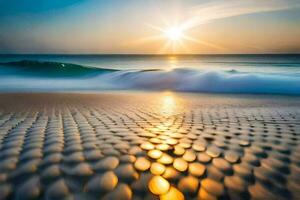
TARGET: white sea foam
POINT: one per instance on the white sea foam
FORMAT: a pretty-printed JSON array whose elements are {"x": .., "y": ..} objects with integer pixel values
[
  {"x": 188, "y": 80},
  {"x": 208, "y": 81}
]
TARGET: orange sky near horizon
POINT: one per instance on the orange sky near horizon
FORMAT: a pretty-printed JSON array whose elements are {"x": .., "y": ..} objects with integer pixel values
[{"x": 210, "y": 27}]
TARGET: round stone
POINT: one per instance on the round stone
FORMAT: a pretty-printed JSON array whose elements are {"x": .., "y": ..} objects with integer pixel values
[
  {"x": 213, "y": 187},
  {"x": 108, "y": 163},
  {"x": 157, "y": 168},
  {"x": 82, "y": 169},
  {"x": 243, "y": 170},
  {"x": 158, "y": 185},
  {"x": 188, "y": 185},
  {"x": 231, "y": 156},
  {"x": 189, "y": 156},
  {"x": 155, "y": 141},
  {"x": 126, "y": 172},
  {"x": 58, "y": 190},
  {"x": 53, "y": 158},
  {"x": 185, "y": 145},
  {"x": 171, "y": 174},
  {"x": 244, "y": 143},
  {"x": 165, "y": 159},
  {"x": 76, "y": 157},
  {"x": 235, "y": 183},
  {"x": 163, "y": 147},
  {"x": 122, "y": 192},
  {"x": 199, "y": 147},
  {"x": 180, "y": 164},
  {"x": 203, "y": 194},
  {"x": 127, "y": 159},
  {"x": 51, "y": 172},
  {"x": 142, "y": 164},
  {"x": 203, "y": 157},
  {"x": 222, "y": 165},
  {"x": 213, "y": 151},
  {"x": 196, "y": 169},
  {"x": 135, "y": 151},
  {"x": 171, "y": 141},
  {"x": 105, "y": 183},
  {"x": 93, "y": 155},
  {"x": 155, "y": 154},
  {"x": 178, "y": 150},
  {"x": 147, "y": 146},
  {"x": 172, "y": 194}
]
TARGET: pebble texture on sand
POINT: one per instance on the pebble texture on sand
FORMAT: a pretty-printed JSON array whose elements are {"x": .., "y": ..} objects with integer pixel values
[{"x": 148, "y": 146}]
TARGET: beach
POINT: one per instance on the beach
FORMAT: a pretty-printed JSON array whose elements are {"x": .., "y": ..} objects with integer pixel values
[
  {"x": 150, "y": 100},
  {"x": 149, "y": 145}
]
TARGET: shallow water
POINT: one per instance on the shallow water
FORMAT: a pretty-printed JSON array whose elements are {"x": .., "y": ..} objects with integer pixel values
[
  {"x": 264, "y": 74},
  {"x": 244, "y": 63}
]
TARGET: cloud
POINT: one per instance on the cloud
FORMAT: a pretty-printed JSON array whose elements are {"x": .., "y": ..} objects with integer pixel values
[{"x": 220, "y": 9}]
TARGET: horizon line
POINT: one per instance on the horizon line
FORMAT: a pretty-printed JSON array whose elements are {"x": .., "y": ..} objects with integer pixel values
[{"x": 145, "y": 54}]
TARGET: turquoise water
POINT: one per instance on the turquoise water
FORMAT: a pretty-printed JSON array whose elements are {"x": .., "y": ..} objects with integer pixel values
[
  {"x": 246, "y": 63},
  {"x": 263, "y": 74}
]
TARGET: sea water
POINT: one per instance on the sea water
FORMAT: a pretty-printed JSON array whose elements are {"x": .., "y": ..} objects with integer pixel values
[{"x": 263, "y": 74}]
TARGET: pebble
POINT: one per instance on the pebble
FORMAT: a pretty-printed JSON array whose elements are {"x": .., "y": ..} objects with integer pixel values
[
  {"x": 180, "y": 164},
  {"x": 165, "y": 159},
  {"x": 197, "y": 169},
  {"x": 188, "y": 185},
  {"x": 103, "y": 183},
  {"x": 108, "y": 163},
  {"x": 121, "y": 192},
  {"x": 126, "y": 172},
  {"x": 213, "y": 187},
  {"x": 158, "y": 185},
  {"x": 58, "y": 190},
  {"x": 142, "y": 164},
  {"x": 189, "y": 156},
  {"x": 157, "y": 168},
  {"x": 172, "y": 194},
  {"x": 155, "y": 154}
]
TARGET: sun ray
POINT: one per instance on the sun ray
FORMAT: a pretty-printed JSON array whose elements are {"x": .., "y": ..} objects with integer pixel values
[
  {"x": 165, "y": 47},
  {"x": 204, "y": 43},
  {"x": 176, "y": 37},
  {"x": 184, "y": 47}
]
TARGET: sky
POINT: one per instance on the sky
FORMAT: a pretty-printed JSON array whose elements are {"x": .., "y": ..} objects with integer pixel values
[{"x": 149, "y": 26}]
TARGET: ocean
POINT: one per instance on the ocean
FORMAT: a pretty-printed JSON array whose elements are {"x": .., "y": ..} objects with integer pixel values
[{"x": 246, "y": 74}]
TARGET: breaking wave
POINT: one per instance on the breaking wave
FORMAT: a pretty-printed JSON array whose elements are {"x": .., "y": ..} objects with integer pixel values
[{"x": 55, "y": 76}]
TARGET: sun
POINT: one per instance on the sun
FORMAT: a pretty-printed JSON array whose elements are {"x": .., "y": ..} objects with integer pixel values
[
  {"x": 174, "y": 33},
  {"x": 173, "y": 37}
]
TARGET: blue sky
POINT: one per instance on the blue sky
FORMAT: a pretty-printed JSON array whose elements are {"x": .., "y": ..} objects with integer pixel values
[{"x": 105, "y": 26}]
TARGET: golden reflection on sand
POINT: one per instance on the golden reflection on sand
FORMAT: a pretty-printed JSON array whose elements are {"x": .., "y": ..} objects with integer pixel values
[
  {"x": 160, "y": 149},
  {"x": 79, "y": 152},
  {"x": 169, "y": 105}
]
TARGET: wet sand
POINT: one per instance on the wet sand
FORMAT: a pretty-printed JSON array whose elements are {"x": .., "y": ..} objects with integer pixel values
[{"x": 148, "y": 146}]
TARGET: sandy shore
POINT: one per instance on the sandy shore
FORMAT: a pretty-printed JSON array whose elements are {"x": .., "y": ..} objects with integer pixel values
[{"x": 149, "y": 145}]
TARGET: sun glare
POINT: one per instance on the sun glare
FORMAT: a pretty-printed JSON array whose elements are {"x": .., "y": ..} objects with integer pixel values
[
  {"x": 174, "y": 33},
  {"x": 174, "y": 37}
]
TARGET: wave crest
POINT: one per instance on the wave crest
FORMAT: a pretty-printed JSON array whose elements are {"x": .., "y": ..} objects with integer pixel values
[
  {"x": 53, "y": 76},
  {"x": 53, "y": 69},
  {"x": 210, "y": 81}
]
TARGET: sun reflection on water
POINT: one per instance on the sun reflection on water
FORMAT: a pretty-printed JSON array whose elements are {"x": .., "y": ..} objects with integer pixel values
[{"x": 172, "y": 61}]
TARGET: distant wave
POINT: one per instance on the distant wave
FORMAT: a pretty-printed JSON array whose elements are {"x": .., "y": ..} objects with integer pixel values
[
  {"x": 54, "y": 76},
  {"x": 53, "y": 69}
]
